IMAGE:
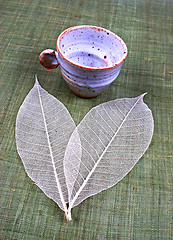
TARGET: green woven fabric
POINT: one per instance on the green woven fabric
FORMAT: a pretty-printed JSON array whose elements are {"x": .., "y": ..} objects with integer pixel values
[{"x": 141, "y": 205}]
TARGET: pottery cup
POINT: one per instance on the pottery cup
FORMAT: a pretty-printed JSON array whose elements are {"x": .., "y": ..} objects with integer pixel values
[{"x": 90, "y": 58}]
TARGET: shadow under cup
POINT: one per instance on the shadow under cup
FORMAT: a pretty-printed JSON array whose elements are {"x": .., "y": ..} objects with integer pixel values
[{"x": 90, "y": 58}]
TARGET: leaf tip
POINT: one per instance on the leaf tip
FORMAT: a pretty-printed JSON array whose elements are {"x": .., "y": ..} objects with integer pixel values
[
  {"x": 36, "y": 80},
  {"x": 144, "y": 94}
]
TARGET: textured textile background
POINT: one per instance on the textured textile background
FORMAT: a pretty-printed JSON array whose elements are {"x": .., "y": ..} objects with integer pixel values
[{"x": 141, "y": 205}]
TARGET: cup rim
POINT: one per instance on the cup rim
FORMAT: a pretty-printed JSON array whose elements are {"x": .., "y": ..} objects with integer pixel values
[{"x": 118, "y": 63}]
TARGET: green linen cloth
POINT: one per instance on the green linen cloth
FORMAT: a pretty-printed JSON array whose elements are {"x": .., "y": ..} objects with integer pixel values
[{"x": 141, "y": 205}]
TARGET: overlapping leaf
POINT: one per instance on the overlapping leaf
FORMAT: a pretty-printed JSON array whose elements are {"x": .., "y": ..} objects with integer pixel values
[
  {"x": 113, "y": 136},
  {"x": 71, "y": 163},
  {"x": 43, "y": 129}
]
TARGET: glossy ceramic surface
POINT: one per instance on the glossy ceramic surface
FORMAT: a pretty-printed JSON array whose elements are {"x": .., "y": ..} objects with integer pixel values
[{"x": 90, "y": 58}]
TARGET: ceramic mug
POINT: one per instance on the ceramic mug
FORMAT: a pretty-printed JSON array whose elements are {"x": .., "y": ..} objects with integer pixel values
[{"x": 90, "y": 58}]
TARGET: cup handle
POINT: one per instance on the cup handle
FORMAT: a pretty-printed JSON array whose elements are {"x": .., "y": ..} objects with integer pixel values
[{"x": 49, "y": 59}]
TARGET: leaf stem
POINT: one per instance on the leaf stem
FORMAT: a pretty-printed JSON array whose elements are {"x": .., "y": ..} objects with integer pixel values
[{"x": 68, "y": 215}]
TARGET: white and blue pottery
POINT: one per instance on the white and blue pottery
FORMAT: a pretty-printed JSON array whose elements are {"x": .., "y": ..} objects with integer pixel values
[{"x": 90, "y": 58}]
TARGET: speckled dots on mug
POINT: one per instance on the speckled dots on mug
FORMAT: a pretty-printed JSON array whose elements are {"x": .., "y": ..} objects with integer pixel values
[{"x": 90, "y": 58}]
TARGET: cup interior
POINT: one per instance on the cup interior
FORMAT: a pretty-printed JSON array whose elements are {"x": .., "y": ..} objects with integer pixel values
[{"x": 91, "y": 47}]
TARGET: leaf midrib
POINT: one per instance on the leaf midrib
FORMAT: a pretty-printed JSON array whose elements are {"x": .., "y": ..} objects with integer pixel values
[{"x": 50, "y": 149}]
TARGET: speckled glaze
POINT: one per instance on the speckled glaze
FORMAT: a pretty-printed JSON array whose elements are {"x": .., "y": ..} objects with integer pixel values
[{"x": 90, "y": 58}]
